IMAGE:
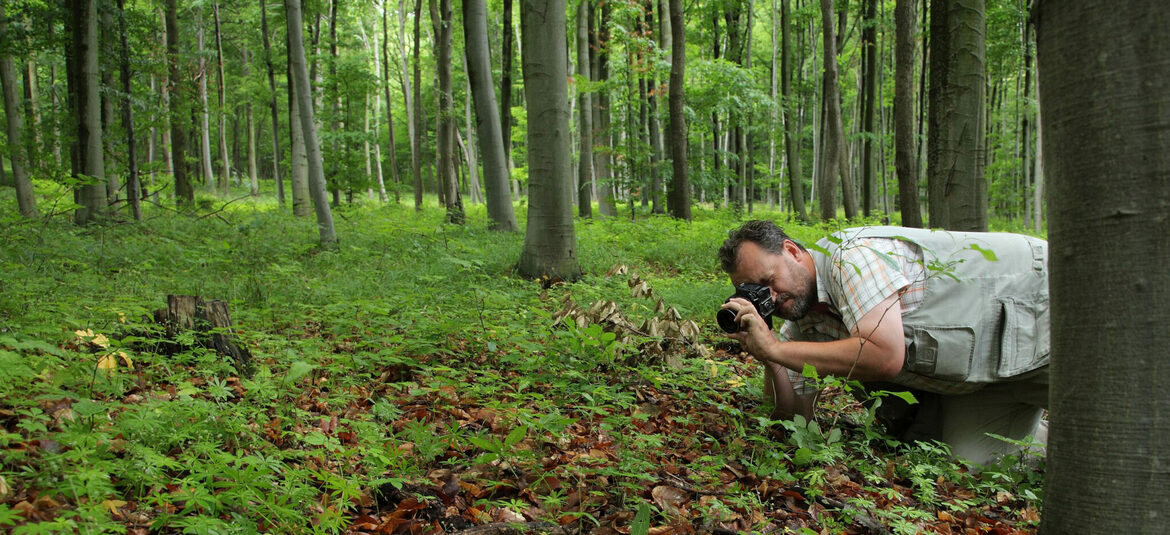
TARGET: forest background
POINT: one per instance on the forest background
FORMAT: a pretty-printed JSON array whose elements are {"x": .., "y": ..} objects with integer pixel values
[{"x": 415, "y": 383}]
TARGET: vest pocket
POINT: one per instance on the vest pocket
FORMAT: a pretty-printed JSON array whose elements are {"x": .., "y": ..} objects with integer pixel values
[
  {"x": 941, "y": 352},
  {"x": 1026, "y": 344}
]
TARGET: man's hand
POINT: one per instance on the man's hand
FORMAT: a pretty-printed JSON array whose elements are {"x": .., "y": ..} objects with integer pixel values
[{"x": 754, "y": 334}]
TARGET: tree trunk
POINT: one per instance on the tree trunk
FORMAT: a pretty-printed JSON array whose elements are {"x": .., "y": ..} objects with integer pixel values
[
  {"x": 385, "y": 50},
  {"x": 550, "y": 244},
  {"x": 1106, "y": 120},
  {"x": 606, "y": 203},
  {"x": 446, "y": 115},
  {"x": 225, "y": 173},
  {"x": 585, "y": 114},
  {"x": 107, "y": 34},
  {"x": 272, "y": 105},
  {"x": 680, "y": 184},
  {"x": 25, "y": 200},
  {"x": 489, "y": 132},
  {"x": 958, "y": 190},
  {"x": 419, "y": 121},
  {"x": 304, "y": 101},
  {"x": 506, "y": 56},
  {"x": 791, "y": 133},
  {"x": 133, "y": 189},
  {"x": 835, "y": 163},
  {"x": 869, "y": 86},
  {"x": 205, "y": 110},
  {"x": 905, "y": 151},
  {"x": 252, "y": 172},
  {"x": 91, "y": 163},
  {"x": 184, "y": 192}
]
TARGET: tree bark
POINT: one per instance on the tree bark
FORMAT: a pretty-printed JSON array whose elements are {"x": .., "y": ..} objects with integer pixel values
[
  {"x": 905, "y": 151},
  {"x": 606, "y": 202},
  {"x": 419, "y": 122},
  {"x": 25, "y": 200},
  {"x": 585, "y": 114},
  {"x": 955, "y": 164},
  {"x": 869, "y": 78},
  {"x": 184, "y": 192},
  {"x": 205, "y": 111},
  {"x": 791, "y": 133},
  {"x": 385, "y": 50},
  {"x": 133, "y": 189},
  {"x": 835, "y": 164},
  {"x": 272, "y": 104},
  {"x": 491, "y": 140},
  {"x": 680, "y": 184},
  {"x": 506, "y": 55},
  {"x": 1104, "y": 87},
  {"x": 304, "y": 101},
  {"x": 91, "y": 163},
  {"x": 221, "y": 86},
  {"x": 550, "y": 244},
  {"x": 446, "y": 112},
  {"x": 252, "y": 171}
]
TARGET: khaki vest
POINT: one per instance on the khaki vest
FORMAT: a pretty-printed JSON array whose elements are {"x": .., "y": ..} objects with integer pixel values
[{"x": 981, "y": 321}]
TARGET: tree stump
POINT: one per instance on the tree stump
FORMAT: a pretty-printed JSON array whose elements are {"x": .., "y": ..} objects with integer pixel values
[{"x": 211, "y": 323}]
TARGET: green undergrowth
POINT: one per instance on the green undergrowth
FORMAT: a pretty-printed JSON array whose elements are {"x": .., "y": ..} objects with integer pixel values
[{"x": 408, "y": 381}]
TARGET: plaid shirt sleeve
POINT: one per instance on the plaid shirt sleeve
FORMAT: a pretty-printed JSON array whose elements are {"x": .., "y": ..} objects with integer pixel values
[{"x": 864, "y": 273}]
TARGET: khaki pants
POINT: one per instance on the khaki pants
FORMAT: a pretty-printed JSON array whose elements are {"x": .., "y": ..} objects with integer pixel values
[{"x": 1012, "y": 410}]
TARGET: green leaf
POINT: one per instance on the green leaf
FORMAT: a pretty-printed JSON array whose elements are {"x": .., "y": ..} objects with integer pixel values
[
  {"x": 987, "y": 253},
  {"x": 316, "y": 438},
  {"x": 809, "y": 371},
  {"x": 802, "y": 456},
  {"x": 484, "y": 444},
  {"x": 515, "y": 436},
  {"x": 641, "y": 523},
  {"x": 299, "y": 370},
  {"x": 906, "y": 396}
]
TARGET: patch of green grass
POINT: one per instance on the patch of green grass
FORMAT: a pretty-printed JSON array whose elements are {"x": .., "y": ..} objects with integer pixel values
[{"x": 409, "y": 352}]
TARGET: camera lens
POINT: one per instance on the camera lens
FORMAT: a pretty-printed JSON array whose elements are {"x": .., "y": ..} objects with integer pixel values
[{"x": 726, "y": 319}]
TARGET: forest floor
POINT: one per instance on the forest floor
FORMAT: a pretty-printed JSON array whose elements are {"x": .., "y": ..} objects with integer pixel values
[{"x": 408, "y": 381}]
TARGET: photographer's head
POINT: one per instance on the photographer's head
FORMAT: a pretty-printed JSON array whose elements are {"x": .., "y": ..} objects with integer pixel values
[{"x": 761, "y": 253}]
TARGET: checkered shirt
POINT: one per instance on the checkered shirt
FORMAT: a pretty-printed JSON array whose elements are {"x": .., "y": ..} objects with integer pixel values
[{"x": 865, "y": 271}]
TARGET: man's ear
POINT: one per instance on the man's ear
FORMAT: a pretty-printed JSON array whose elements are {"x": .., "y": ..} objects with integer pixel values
[{"x": 793, "y": 249}]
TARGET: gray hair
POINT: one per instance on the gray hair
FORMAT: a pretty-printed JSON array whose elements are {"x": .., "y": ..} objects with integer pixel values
[{"x": 762, "y": 232}]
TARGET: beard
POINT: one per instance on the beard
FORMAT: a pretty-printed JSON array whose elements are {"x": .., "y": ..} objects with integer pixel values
[{"x": 795, "y": 305}]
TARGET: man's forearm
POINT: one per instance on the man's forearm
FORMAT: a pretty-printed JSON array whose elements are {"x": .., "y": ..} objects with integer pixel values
[{"x": 853, "y": 357}]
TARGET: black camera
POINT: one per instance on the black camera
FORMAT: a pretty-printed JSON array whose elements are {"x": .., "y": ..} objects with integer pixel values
[{"x": 758, "y": 295}]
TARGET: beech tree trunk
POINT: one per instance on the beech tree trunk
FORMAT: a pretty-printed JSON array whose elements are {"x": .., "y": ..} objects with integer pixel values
[
  {"x": 133, "y": 189},
  {"x": 446, "y": 116},
  {"x": 1104, "y": 73},
  {"x": 680, "y": 184},
  {"x": 905, "y": 150},
  {"x": 300, "y": 87},
  {"x": 791, "y": 135},
  {"x": 488, "y": 130},
  {"x": 385, "y": 50},
  {"x": 550, "y": 244},
  {"x": 869, "y": 78},
  {"x": 25, "y": 201},
  {"x": 272, "y": 104},
  {"x": 92, "y": 196},
  {"x": 955, "y": 163},
  {"x": 419, "y": 122},
  {"x": 184, "y": 192},
  {"x": 225, "y": 172},
  {"x": 205, "y": 111},
  {"x": 584, "y": 115}
]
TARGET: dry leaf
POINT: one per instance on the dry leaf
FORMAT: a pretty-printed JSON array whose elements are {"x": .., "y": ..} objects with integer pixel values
[
  {"x": 4, "y": 488},
  {"x": 670, "y": 499}
]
